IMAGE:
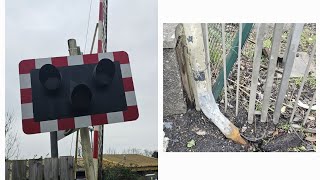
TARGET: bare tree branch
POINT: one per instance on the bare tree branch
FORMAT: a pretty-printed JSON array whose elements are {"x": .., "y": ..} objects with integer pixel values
[{"x": 12, "y": 142}]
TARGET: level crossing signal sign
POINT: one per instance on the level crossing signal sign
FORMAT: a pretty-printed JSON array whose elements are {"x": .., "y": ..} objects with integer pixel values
[{"x": 70, "y": 92}]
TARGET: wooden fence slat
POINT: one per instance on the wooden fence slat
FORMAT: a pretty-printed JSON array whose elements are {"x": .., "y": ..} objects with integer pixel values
[
  {"x": 276, "y": 39},
  {"x": 19, "y": 170},
  {"x": 35, "y": 169},
  {"x": 292, "y": 50},
  {"x": 255, "y": 70},
  {"x": 50, "y": 170},
  {"x": 66, "y": 168},
  {"x": 8, "y": 171}
]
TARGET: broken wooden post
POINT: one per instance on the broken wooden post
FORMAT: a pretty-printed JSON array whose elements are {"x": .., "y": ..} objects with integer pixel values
[
  {"x": 185, "y": 69},
  {"x": 195, "y": 77}
]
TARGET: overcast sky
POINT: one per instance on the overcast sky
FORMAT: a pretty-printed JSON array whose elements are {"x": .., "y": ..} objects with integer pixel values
[{"x": 41, "y": 29}]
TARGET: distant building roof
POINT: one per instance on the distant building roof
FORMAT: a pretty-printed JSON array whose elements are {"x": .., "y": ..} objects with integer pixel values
[{"x": 135, "y": 162}]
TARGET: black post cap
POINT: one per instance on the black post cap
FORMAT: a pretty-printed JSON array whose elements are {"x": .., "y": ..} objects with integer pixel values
[
  {"x": 104, "y": 72},
  {"x": 50, "y": 77}
]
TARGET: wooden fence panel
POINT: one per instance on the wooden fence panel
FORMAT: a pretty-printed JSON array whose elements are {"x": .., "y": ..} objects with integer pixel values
[
  {"x": 8, "y": 171},
  {"x": 66, "y": 168},
  {"x": 19, "y": 170},
  {"x": 51, "y": 170},
  {"x": 40, "y": 169},
  {"x": 35, "y": 169}
]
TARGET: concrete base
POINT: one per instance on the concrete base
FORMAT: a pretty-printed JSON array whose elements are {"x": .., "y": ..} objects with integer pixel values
[
  {"x": 169, "y": 40},
  {"x": 173, "y": 100},
  {"x": 300, "y": 65}
]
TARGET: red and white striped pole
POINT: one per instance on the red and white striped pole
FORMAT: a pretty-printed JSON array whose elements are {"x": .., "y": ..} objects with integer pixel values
[
  {"x": 102, "y": 47},
  {"x": 95, "y": 149}
]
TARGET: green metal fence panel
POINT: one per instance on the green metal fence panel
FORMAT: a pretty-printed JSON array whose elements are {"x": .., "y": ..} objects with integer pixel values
[{"x": 231, "y": 58}]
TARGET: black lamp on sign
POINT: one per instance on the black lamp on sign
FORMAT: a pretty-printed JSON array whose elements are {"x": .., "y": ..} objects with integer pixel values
[
  {"x": 104, "y": 72},
  {"x": 80, "y": 96},
  {"x": 50, "y": 77}
]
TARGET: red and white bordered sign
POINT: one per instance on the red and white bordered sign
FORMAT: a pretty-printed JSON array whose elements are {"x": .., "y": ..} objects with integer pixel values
[{"x": 30, "y": 126}]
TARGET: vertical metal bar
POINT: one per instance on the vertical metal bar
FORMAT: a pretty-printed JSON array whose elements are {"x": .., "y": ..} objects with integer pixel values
[
  {"x": 204, "y": 27},
  {"x": 231, "y": 59},
  {"x": 76, "y": 155},
  {"x": 310, "y": 106},
  {"x": 224, "y": 67},
  {"x": 239, "y": 64},
  {"x": 292, "y": 50},
  {"x": 288, "y": 44},
  {"x": 276, "y": 39},
  {"x": 54, "y": 144},
  {"x": 94, "y": 38},
  {"x": 306, "y": 72},
  {"x": 100, "y": 159},
  {"x": 255, "y": 70},
  {"x": 102, "y": 47}
]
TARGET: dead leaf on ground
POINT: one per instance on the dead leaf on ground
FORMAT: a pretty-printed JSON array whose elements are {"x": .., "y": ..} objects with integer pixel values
[
  {"x": 283, "y": 109},
  {"x": 311, "y": 118},
  {"x": 201, "y": 132},
  {"x": 191, "y": 143},
  {"x": 311, "y": 138},
  {"x": 296, "y": 126},
  {"x": 305, "y": 106},
  {"x": 275, "y": 133}
]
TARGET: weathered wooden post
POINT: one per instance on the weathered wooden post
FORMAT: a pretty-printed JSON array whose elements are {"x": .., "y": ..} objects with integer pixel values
[
  {"x": 84, "y": 132},
  {"x": 196, "y": 80}
]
